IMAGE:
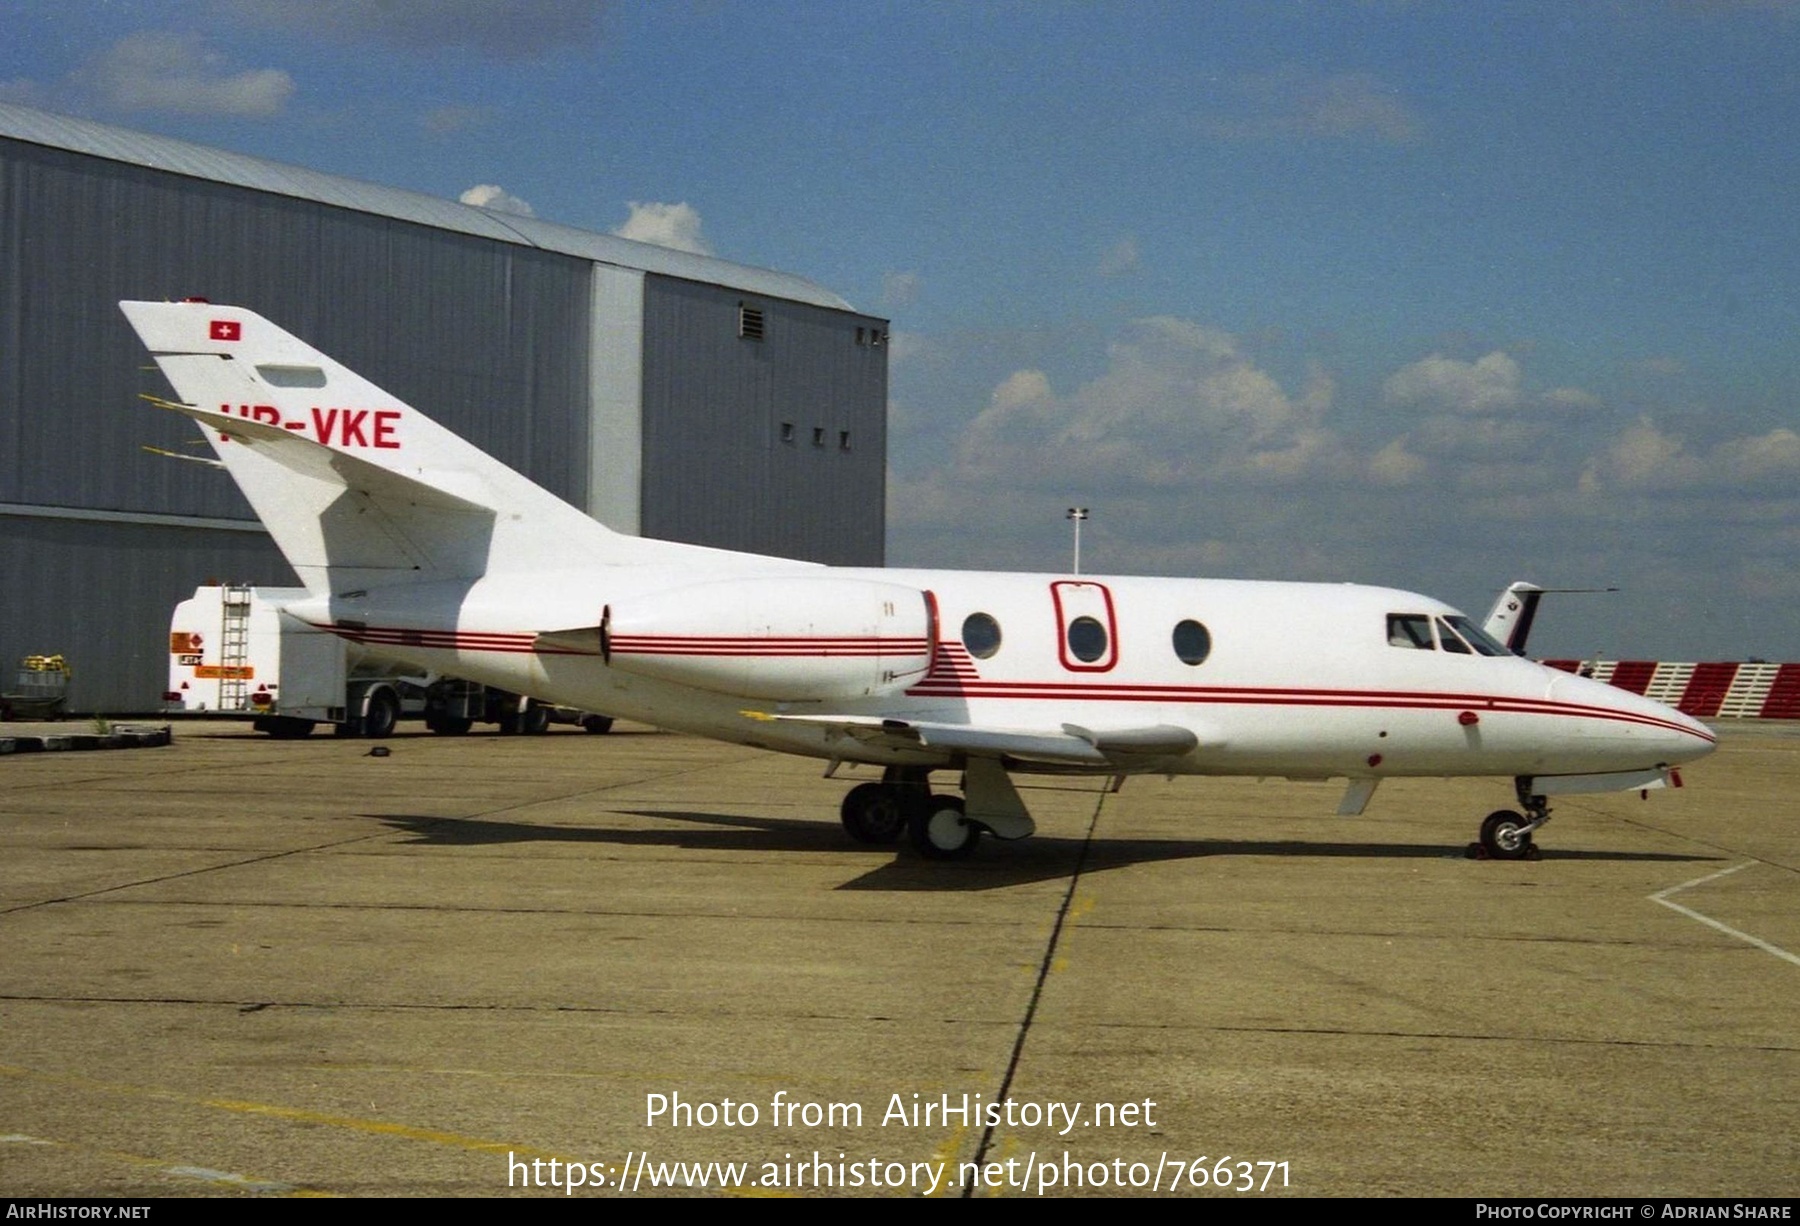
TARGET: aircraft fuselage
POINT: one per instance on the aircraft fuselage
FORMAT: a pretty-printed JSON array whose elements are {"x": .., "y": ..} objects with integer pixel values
[{"x": 1294, "y": 679}]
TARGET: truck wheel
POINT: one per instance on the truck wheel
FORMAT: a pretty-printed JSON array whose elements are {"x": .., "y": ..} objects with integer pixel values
[
  {"x": 383, "y": 714},
  {"x": 443, "y": 725}
]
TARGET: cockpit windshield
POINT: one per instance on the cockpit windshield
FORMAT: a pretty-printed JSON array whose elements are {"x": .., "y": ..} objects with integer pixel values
[
  {"x": 1451, "y": 632},
  {"x": 1410, "y": 630},
  {"x": 1477, "y": 638}
]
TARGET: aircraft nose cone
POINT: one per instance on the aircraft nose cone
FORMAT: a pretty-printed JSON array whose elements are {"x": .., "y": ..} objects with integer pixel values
[
  {"x": 1700, "y": 740},
  {"x": 1637, "y": 727}
]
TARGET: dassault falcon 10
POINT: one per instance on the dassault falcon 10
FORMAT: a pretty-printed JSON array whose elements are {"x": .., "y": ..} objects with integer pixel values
[{"x": 416, "y": 543}]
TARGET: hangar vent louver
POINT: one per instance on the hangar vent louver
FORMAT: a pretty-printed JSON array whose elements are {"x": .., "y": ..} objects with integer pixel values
[{"x": 750, "y": 322}]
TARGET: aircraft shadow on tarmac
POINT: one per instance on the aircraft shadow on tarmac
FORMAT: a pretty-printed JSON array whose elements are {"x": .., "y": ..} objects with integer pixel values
[{"x": 993, "y": 866}]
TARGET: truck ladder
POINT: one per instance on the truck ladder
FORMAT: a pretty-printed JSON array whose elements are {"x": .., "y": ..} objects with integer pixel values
[{"x": 234, "y": 646}]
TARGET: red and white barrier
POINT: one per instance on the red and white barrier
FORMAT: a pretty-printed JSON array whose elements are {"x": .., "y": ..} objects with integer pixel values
[{"x": 1727, "y": 689}]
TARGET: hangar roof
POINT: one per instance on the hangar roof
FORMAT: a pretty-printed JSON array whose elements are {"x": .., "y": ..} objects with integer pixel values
[{"x": 201, "y": 162}]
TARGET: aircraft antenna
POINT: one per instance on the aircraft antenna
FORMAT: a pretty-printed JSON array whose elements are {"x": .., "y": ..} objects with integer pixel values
[{"x": 1076, "y": 515}]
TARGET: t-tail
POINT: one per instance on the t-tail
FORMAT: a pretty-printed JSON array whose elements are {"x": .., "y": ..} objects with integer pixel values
[
  {"x": 1509, "y": 621},
  {"x": 359, "y": 489}
]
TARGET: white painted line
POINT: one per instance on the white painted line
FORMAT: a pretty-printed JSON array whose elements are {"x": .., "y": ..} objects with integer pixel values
[
  {"x": 225, "y": 1178},
  {"x": 1662, "y": 896},
  {"x": 229, "y": 1179}
]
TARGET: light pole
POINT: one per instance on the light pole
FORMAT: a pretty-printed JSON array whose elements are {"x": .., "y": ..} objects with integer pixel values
[{"x": 1076, "y": 515}]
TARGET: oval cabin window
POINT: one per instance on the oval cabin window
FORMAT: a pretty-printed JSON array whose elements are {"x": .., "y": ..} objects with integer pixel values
[
  {"x": 981, "y": 635},
  {"x": 1192, "y": 642},
  {"x": 1087, "y": 639}
]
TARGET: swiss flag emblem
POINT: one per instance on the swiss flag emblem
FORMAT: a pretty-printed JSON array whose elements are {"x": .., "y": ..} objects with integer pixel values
[{"x": 226, "y": 330}]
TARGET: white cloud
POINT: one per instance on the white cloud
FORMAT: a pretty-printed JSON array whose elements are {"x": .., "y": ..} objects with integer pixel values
[
  {"x": 1178, "y": 403},
  {"x": 1476, "y": 411},
  {"x": 1395, "y": 465},
  {"x": 448, "y": 120},
  {"x": 177, "y": 74},
  {"x": 905, "y": 346},
  {"x": 501, "y": 29},
  {"x": 1644, "y": 459},
  {"x": 1120, "y": 258},
  {"x": 1296, "y": 102},
  {"x": 493, "y": 196},
  {"x": 1019, "y": 389},
  {"x": 1490, "y": 385},
  {"x": 901, "y": 288},
  {"x": 666, "y": 225},
  {"x": 1197, "y": 458}
]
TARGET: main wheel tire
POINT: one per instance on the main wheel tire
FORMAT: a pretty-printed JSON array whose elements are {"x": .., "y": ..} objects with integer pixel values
[
  {"x": 1504, "y": 837},
  {"x": 382, "y": 716},
  {"x": 444, "y": 725},
  {"x": 942, "y": 832},
  {"x": 599, "y": 725},
  {"x": 874, "y": 813},
  {"x": 534, "y": 720}
]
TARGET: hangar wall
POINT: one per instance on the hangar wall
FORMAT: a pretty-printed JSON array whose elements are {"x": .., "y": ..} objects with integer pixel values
[
  {"x": 788, "y": 423},
  {"x": 627, "y": 392},
  {"x": 101, "y": 594},
  {"x": 492, "y": 337}
]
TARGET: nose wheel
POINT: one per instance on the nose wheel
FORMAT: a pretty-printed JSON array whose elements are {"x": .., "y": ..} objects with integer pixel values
[{"x": 1506, "y": 834}]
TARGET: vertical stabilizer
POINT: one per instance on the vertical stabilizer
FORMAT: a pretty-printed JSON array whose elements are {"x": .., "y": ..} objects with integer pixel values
[
  {"x": 358, "y": 488},
  {"x": 1509, "y": 621}
]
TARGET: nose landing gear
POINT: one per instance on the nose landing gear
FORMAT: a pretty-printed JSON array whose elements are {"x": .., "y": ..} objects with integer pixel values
[{"x": 1506, "y": 835}]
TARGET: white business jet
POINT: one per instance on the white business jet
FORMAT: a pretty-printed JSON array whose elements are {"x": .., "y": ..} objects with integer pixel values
[{"x": 414, "y": 542}]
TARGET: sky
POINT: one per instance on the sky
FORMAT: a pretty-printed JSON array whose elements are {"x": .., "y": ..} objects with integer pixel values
[{"x": 1420, "y": 293}]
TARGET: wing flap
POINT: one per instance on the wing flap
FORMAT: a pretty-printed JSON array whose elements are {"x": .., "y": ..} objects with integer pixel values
[{"x": 1072, "y": 746}]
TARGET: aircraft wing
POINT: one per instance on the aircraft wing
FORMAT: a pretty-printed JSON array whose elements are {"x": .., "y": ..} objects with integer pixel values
[{"x": 1073, "y": 745}]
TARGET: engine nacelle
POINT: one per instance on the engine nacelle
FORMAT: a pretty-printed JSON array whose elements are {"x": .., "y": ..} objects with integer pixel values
[{"x": 780, "y": 639}]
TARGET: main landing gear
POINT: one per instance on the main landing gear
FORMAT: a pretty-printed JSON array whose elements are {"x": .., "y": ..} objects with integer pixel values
[
  {"x": 1506, "y": 835},
  {"x": 903, "y": 804}
]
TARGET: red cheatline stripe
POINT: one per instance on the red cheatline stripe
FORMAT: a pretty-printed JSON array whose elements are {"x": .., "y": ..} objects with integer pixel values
[
  {"x": 450, "y": 640},
  {"x": 643, "y": 641},
  {"x": 783, "y": 653},
  {"x": 763, "y": 648},
  {"x": 1284, "y": 697},
  {"x": 936, "y": 685}
]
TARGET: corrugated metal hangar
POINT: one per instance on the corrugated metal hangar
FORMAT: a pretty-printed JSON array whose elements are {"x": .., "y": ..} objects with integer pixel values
[{"x": 666, "y": 393}]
